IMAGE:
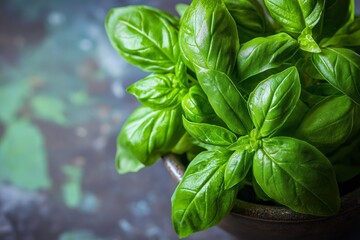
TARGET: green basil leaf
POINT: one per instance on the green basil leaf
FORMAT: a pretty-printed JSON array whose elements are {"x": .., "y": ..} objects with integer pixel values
[
  {"x": 226, "y": 100},
  {"x": 259, "y": 192},
  {"x": 158, "y": 91},
  {"x": 336, "y": 14},
  {"x": 291, "y": 125},
  {"x": 315, "y": 87},
  {"x": 341, "y": 68},
  {"x": 273, "y": 100},
  {"x": 208, "y": 36},
  {"x": 347, "y": 36},
  {"x": 248, "y": 18},
  {"x": 196, "y": 106},
  {"x": 254, "y": 57},
  {"x": 126, "y": 161},
  {"x": 149, "y": 133},
  {"x": 181, "y": 74},
  {"x": 237, "y": 168},
  {"x": 297, "y": 175},
  {"x": 241, "y": 144},
  {"x": 209, "y": 134},
  {"x": 144, "y": 36},
  {"x": 307, "y": 42},
  {"x": 200, "y": 200},
  {"x": 248, "y": 85},
  {"x": 329, "y": 123},
  {"x": 294, "y": 16},
  {"x": 185, "y": 144}
]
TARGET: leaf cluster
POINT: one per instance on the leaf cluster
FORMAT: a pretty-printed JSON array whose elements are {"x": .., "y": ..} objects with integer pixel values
[{"x": 257, "y": 93}]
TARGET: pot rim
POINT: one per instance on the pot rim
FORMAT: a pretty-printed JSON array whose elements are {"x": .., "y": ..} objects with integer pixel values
[{"x": 259, "y": 212}]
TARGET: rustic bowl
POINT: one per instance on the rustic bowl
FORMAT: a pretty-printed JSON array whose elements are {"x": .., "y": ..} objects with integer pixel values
[{"x": 254, "y": 221}]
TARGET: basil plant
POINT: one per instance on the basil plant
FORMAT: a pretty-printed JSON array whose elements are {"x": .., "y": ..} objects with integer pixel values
[{"x": 256, "y": 94}]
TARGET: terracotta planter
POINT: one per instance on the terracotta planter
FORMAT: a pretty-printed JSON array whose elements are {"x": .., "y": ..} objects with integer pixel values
[{"x": 253, "y": 221}]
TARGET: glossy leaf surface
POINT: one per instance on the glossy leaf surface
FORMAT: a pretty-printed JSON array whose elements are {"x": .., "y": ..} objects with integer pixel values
[
  {"x": 330, "y": 122},
  {"x": 293, "y": 15},
  {"x": 248, "y": 18},
  {"x": 273, "y": 100},
  {"x": 209, "y": 134},
  {"x": 226, "y": 100},
  {"x": 341, "y": 68},
  {"x": 237, "y": 168},
  {"x": 150, "y": 133},
  {"x": 208, "y": 36},
  {"x": 307, "y": 41},
  {"x": 158, "y": 91},
  {"x": 200, "y": 200},
  {"x": 196, "y": 106},
  {"x": 254, "y": 57},
  {"x": 144, "y": 36},
  {"x": 126, "y": 161},
  {"x": 297, "y": 175}
]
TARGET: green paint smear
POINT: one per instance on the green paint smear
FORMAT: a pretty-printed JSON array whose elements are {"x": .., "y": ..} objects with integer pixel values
[
  {"x": 23, "y": 157},
  {"x": 79, "y": 98},
  {"x": 71, "y": 190},
  {"x": 49, "y": 109},
  {"x": 12, "y": 97},
  {"x": 79, "y": 235}
]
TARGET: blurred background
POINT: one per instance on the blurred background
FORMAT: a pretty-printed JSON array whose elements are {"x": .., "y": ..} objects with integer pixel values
[{"x": 62, "y": 103}]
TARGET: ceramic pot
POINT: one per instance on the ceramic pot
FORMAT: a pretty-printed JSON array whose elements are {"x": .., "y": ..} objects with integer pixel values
[{"x": 250, "y": 221}]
